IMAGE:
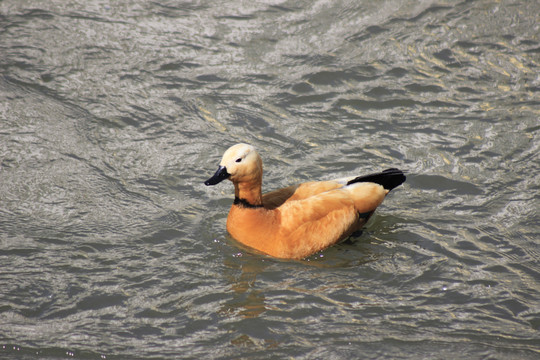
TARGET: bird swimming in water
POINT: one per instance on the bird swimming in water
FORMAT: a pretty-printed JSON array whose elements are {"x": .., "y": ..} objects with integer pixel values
[{"x": 299, "y": 220}]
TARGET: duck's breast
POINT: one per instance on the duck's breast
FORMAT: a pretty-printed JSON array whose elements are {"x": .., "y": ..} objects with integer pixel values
[{"x": 255, "y": 228}]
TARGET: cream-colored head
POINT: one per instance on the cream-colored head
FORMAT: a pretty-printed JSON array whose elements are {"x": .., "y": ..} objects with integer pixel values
[{"x": 240, "y": 163}]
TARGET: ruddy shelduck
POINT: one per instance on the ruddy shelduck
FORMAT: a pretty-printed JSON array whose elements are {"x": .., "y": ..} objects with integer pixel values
[{"x": 299, "y": 220}]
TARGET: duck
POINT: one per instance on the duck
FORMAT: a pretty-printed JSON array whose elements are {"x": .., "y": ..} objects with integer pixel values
[{"x": 299, "y": 220}]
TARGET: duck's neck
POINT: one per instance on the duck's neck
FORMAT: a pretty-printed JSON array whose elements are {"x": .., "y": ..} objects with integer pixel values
[{"x": 248, "y": 194}]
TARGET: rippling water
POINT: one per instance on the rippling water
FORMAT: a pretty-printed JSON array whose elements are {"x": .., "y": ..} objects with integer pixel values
[{"x": 112, "y": 114}]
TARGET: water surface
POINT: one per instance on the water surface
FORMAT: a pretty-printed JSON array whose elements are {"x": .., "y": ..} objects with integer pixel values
[{"x": 113, "y": 114}]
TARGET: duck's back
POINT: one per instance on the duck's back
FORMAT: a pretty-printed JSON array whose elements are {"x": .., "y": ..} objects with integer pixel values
[{"x": 314, "y": 217}]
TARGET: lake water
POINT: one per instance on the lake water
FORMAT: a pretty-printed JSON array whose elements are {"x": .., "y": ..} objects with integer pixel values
[{"x": 112, "y": 114}]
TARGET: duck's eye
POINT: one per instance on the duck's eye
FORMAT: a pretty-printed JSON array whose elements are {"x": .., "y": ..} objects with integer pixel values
[{"x": 239, "y": 159}]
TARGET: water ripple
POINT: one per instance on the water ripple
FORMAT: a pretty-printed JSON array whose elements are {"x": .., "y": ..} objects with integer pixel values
[{"x": 114, "y": 114}]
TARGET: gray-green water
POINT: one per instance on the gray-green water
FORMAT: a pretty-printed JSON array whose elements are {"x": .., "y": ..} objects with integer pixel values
[{"x": 112, "y": 114}]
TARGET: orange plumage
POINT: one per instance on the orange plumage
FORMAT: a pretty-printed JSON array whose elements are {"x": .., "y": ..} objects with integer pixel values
[{"x": 299, "y": 220}]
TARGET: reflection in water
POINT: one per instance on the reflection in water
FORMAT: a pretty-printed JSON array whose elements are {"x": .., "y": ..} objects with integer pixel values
[{"x": 247, "y": 301}]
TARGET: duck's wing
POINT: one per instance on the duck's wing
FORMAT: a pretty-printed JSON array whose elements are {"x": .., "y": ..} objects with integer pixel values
[
  {"x": 276, "y": 198},
  {"x": 309, "y": 225},
  {"x": 389, "y": 179},
  {"x": 319, "y": 221},
  {"x": 302, "y": 191}
]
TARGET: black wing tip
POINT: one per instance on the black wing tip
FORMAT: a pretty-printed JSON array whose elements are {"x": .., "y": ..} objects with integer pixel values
[{"x": 389, "y": 178}]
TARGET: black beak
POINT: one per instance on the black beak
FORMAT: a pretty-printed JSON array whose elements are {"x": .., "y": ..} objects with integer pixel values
[{"x": 220, "y": 175}]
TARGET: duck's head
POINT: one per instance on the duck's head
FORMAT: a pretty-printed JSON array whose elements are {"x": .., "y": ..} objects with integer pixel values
[{"x": 240, "y": 163}]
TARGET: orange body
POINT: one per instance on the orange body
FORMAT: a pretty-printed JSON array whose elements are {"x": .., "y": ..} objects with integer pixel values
[{"x": 296, "y": 221}]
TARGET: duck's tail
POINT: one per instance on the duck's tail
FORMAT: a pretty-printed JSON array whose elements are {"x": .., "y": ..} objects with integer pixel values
[{"x": 389, "y": 178}]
